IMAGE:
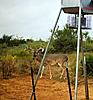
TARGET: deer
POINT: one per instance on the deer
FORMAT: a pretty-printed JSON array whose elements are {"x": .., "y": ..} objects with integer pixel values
[{"x": 57, "y": 59}]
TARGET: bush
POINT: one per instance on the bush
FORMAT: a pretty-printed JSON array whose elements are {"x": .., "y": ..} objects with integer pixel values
[
  {"x": 88, "y": 47},
  {"x": 89, "y": 64},
  {"x": 24, "y": 67},
  {"x": 7, "y": 66},
  {"x": 65, "y": 40}
]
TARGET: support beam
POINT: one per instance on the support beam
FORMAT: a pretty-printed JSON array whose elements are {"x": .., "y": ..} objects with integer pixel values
[
  {"x": 77, "y": 59},
  {"x": 85, "y": 77},
  {"x": 40, "y": 68},
  {"x": 33, "y": 86},
  {"x": 84, "y": 68},
  {"x": 69, "y": 86}
]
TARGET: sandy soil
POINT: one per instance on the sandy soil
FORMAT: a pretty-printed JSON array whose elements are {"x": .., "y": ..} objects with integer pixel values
[{"x": 20, "y": 88}]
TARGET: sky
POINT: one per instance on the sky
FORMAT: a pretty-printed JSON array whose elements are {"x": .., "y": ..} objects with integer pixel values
[{"x": 30, "y": 18}]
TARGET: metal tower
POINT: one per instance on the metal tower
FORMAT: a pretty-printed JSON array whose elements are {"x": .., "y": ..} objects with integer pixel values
[{"x": 81, "y": 8}]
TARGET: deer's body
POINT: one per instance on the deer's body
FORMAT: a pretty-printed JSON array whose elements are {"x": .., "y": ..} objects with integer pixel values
[{"x": 51, "y": 59}]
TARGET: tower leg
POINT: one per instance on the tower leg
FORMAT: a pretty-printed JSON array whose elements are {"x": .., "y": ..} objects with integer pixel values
[
  {"x": 77, "y": 59},
  {"x": 70, "y": 93},
  {"x": 40, "y": 68}
]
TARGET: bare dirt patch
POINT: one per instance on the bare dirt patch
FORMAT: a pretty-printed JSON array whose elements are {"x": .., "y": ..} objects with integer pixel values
[{"x": 19, "y": 88}]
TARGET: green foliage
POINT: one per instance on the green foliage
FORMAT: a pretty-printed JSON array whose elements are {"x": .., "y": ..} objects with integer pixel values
[
  {"x": 9, "y": 42},
  {"x": 89, "y": 47},
  {"x": 7, "y": 66},
  {"x": 89, "y": 64},
  {"x": 51, "y": 49},
  {"x": 65, "y": 40},
  {"x": 30, "y": 40},
  {"x": 37, "y": 44},
  {"x": 24, "y": 67},
  {"x": 20, "y": 53}
]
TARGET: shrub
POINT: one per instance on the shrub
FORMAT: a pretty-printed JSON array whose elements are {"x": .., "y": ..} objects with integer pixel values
[
  {"x": 89, "y": 46},
  {"x": 7, "y": 66},
  {"x": 24, "y": 67},
  {"x": 89, "y": 64}
]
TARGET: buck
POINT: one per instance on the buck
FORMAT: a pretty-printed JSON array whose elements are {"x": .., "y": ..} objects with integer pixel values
[{"x": 50, "y": 60}]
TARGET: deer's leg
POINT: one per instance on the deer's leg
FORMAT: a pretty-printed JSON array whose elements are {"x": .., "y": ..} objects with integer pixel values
[
  {"x": 42, "y": 71},
  {"x": 62, "y": 74},
  {"x": 50, "y": 73},
  {"x": 63, "y": 70}
]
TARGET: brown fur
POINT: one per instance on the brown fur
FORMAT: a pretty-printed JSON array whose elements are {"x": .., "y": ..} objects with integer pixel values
[{"x": 52, "y": 59}]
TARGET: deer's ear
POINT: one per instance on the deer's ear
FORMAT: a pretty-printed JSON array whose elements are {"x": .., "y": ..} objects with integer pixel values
[{"x": 42, "y": 49}]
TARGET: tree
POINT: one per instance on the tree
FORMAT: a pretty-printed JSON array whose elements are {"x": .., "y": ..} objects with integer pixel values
[
  {"x": 7, "y": 39},
  {"x": 65, "y": 40}
]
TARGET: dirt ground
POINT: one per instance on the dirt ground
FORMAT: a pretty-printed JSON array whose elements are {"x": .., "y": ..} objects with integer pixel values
[{"x": 20, "y": 88}]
